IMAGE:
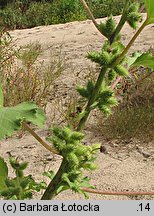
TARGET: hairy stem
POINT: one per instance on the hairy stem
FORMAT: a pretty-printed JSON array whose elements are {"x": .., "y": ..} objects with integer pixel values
[
  {"x": 103, "y": 70},
  {"x": 38, "y": 138},
  {"x": 92, "y": 99},
  {"x": 50, "y": 192},
  {"x": 101, "y": 77},
  {"x": 121, "y": 22}
]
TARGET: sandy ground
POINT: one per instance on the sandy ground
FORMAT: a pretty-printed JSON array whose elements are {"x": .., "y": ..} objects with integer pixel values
[{"x": 125, "y": 166}]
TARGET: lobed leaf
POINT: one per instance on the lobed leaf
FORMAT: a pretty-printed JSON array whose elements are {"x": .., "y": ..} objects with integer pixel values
[
  {"x": 145, "y": 60},
  {"x": 31, "y": 112},
  {"x": 12, "y": 117}
]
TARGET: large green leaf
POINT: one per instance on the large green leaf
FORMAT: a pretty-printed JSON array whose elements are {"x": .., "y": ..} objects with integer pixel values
[
  {"x": 3, "y": 173},
  {"x": 12, "y": 117},
  {"x": 149, "y": 4},
  {"x": 145, "y": 60},
  {"x": 31, "y": 112}
]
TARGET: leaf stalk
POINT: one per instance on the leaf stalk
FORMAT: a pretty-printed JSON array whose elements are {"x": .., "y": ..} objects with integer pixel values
[
  {"x": 131, "y": 42},
  {"x": 39, "y": 139}
]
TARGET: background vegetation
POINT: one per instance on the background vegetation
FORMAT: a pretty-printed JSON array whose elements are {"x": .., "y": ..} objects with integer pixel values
[
  {"x": 27, "y": 14},
  {"x": 23, "y": 76},
  {"x": 136, "y": 104},
  {"x": 132, "y": 118}
]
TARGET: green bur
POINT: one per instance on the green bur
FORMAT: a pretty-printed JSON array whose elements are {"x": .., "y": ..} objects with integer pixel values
[{"x": 76, "y": 157}]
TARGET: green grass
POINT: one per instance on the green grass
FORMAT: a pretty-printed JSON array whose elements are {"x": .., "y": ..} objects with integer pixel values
[{"x": 27, "y": 14}]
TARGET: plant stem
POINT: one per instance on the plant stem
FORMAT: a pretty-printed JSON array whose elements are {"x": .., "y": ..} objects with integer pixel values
[
  {"x": 123, "y": 193},
  {"x": 121, "y": 22},
  {"x": 130, "y": 43},
  {"x": 91, "y": 16},
  {"x": 89, "y": 12},
  {"x": 92, "y": 99},
  {"x": 19, "y": 196},
  {"x": 38, "y": 138},
  {"x": 50, "y": 192},
  {"x": 101, "y": 77},
  {"x": 113, "y": 85}
]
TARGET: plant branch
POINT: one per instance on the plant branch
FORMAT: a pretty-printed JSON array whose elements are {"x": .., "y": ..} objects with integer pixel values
[
  {"x": 91, "y": 16},
  {"x": 122, "y": 193},
  {"x": 38, "y": 138},
  {"x": 121, "y": 22},
  {"x": 51, "y": 190},
  {"x": 113, "y": 85},
  {"x": 102, "y": 74},
  {"x": 130, "y": 43},
  {"x": 92, "y": 99}
]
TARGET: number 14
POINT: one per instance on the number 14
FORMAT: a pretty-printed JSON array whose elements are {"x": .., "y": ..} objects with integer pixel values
[{"x": 146, "y": 207}]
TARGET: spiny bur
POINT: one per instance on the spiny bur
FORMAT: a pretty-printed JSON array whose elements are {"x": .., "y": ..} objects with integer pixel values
[
  {"x": 76, "y": 157},
  {"x": 133, "y": 16},
  {"x": 108, "y": 27},
  {"x": 111, "y": 75},
  {"x": 121, "y": 70}
]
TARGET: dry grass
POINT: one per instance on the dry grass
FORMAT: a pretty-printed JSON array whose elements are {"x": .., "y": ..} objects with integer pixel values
[
  {"x": 23, "y": 76},
  {"x": 134, "y": 117}
]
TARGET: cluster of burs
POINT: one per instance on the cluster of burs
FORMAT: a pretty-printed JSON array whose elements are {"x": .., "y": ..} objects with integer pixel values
[
  {"x": 110, "y": 60},
  {"x": 76, "y": 157}
]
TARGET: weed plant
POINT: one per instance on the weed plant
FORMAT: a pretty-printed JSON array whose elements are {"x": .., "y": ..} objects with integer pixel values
[
  {"x": 24, "y": 77},
  {"x": 65, "y": 140}
]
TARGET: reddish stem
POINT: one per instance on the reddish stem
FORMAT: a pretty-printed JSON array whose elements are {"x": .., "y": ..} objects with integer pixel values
[{"x": 123, "y": 193}]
